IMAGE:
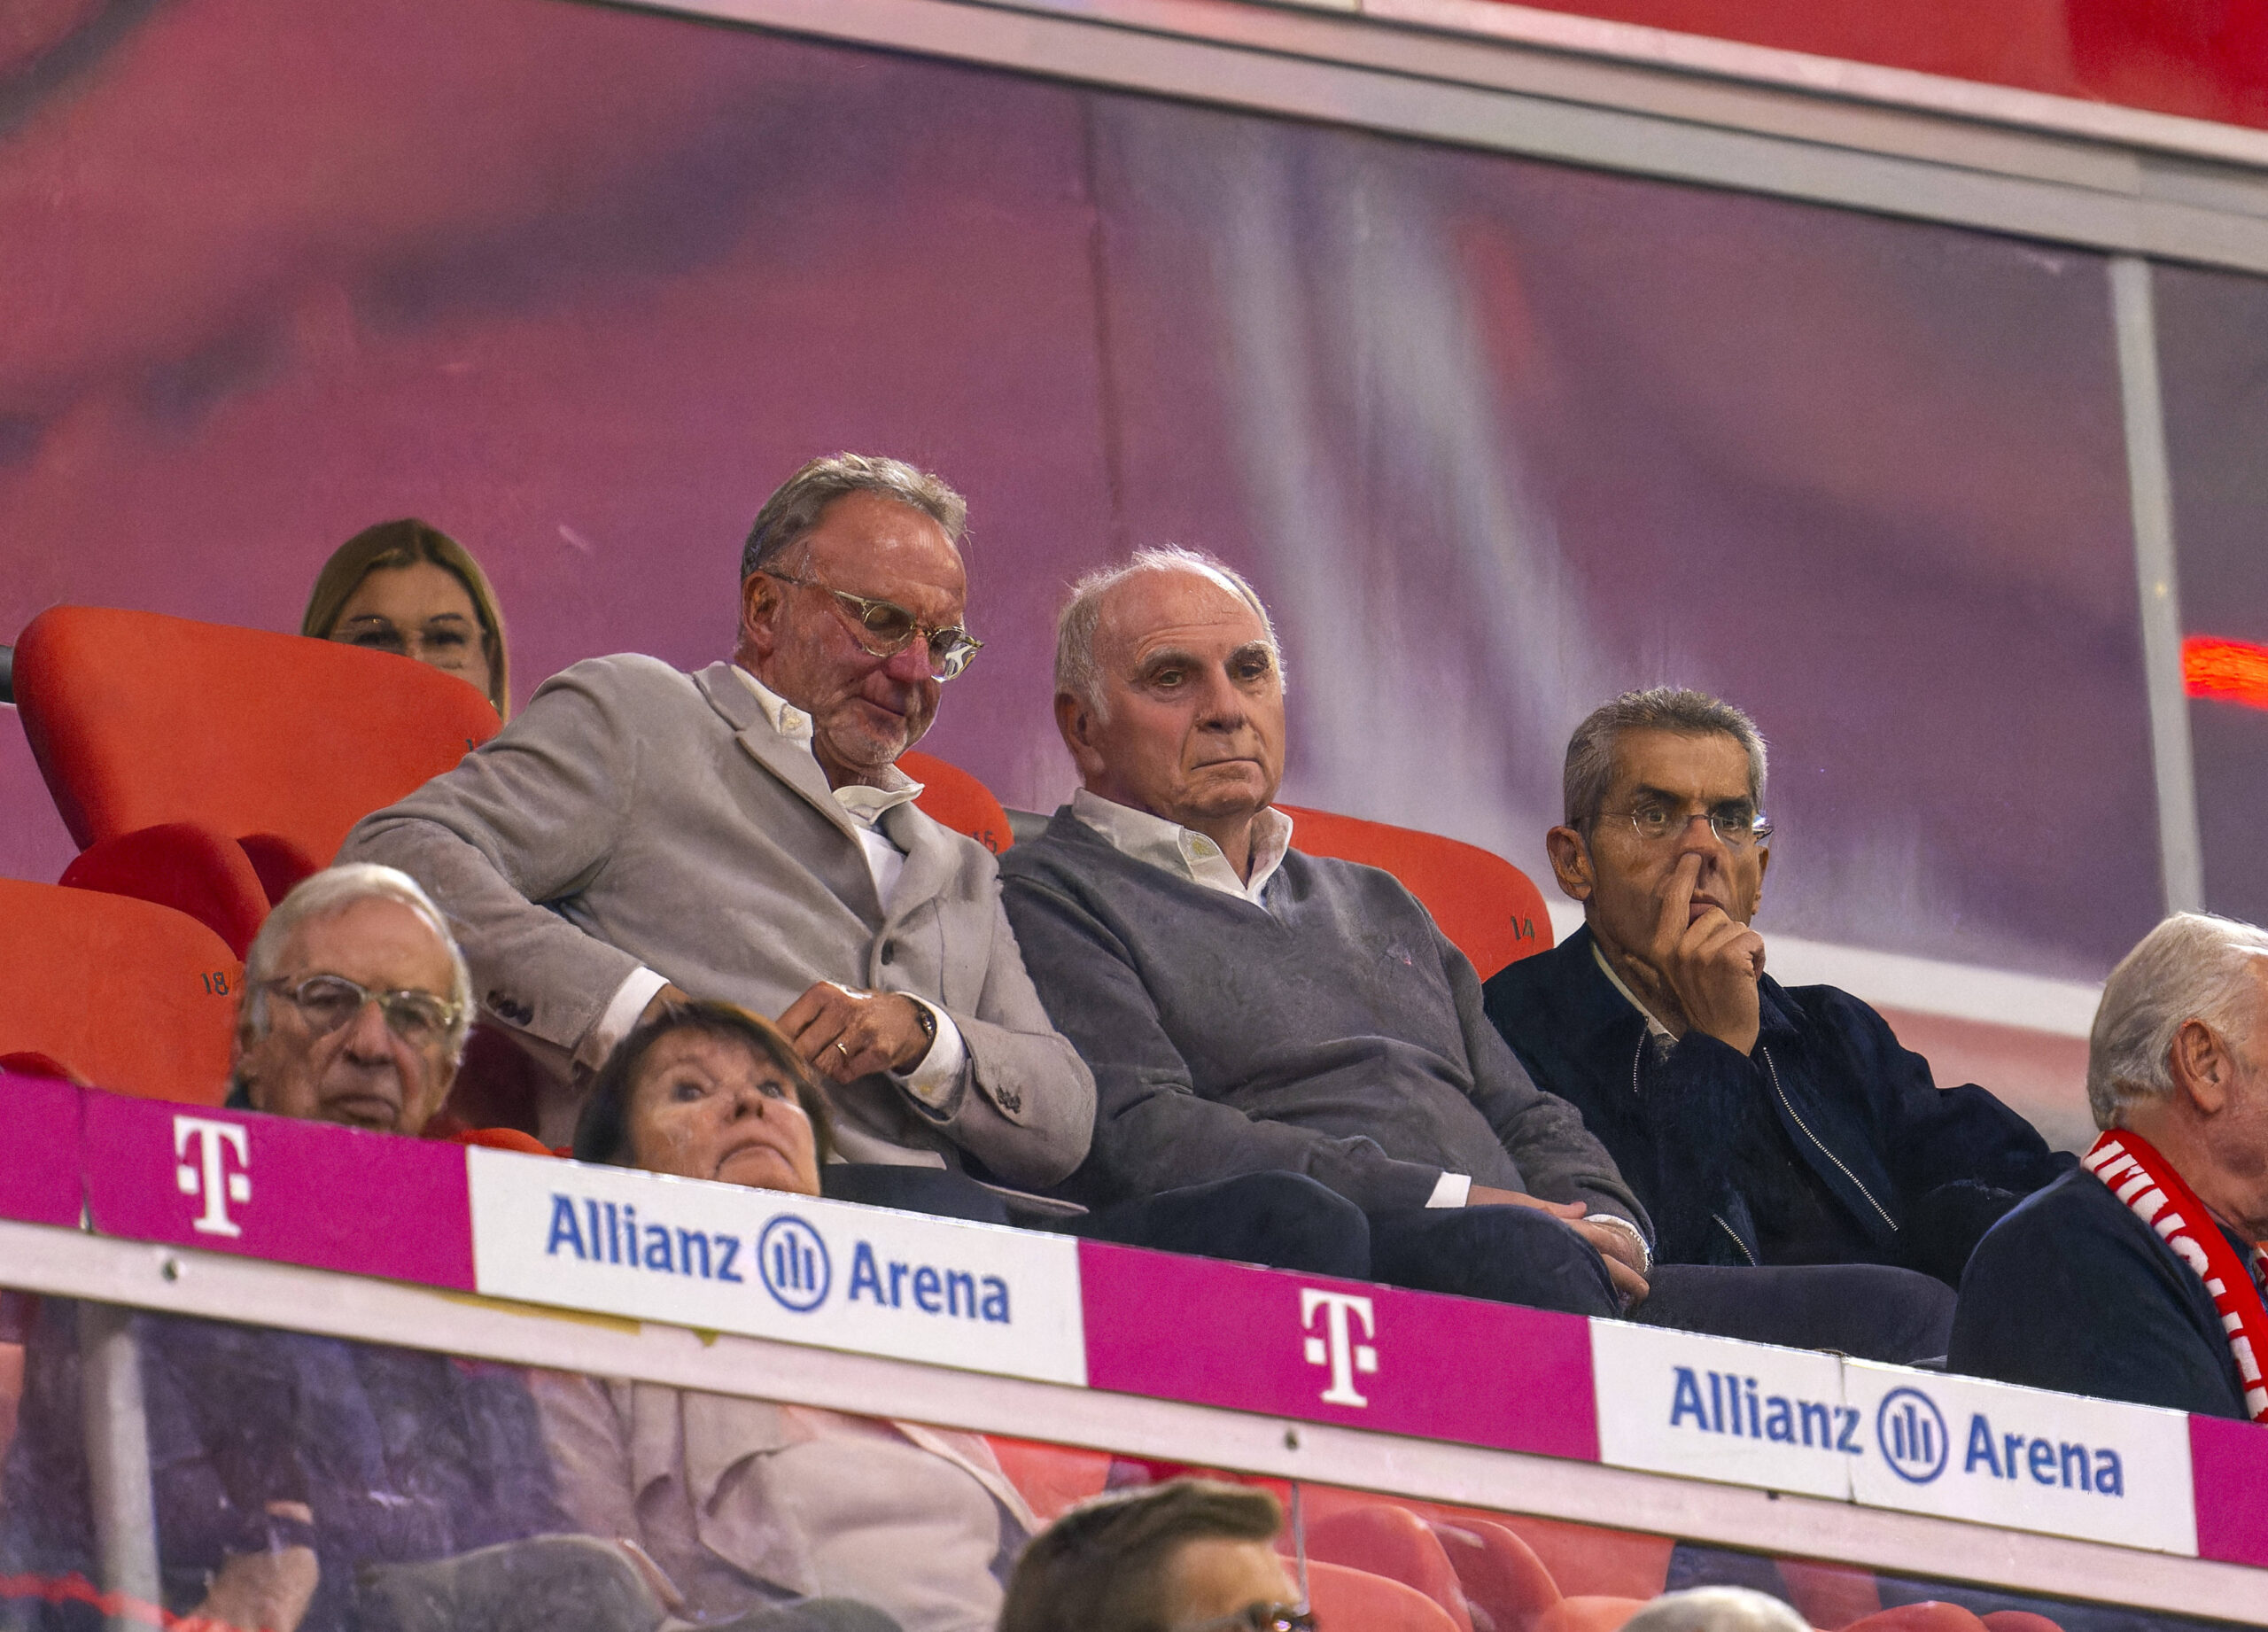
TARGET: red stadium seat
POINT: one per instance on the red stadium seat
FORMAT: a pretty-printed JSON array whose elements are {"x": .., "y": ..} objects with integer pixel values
[
  {"x": 1386, "y": 1540},
  {"x": 128, "y": 996},
  {"x": 1835, "y": 1595},
  {"x": 1053, "y": 1479},
  {"x": 2019, "y": 1621},
  {"x": 166, "y": 741},
  {"x": 1928, "y": 1617},
  {"x": 952, "y": 796},
  {"x": 1349, "y": 1600},
  {"x": 1587, "y": 1615},
  {"x": 1503, "y": 1580},
  {"x": 1483, "y": 902}
]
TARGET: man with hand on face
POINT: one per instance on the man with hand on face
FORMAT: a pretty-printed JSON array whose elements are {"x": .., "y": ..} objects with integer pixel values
[
  {"x": 1246, "y": 1007},
  {"x": 1760, "y": 1124},
  {"x": 743, "y": 833}
]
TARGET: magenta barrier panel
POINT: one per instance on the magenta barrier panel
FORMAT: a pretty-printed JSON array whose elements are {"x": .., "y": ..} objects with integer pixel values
[
  {"x": 269, "y": 1187},
  {"x": 1338, "y": 1351},
  {"x": 2228, "y": 1464},
  {"x": 39, "y": 1151}
]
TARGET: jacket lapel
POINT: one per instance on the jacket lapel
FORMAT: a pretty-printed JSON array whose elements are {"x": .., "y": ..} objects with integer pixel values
[
  {"x": 785, "y": 760},
  {"x": 929, "y": 859}
]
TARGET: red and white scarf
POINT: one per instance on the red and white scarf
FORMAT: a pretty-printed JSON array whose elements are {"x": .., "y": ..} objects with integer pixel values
[{"x": 2146, "y": 1181}]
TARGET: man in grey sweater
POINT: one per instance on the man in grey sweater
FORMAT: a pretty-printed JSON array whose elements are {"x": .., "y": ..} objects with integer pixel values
[{"x": 1248, "y": 1009}]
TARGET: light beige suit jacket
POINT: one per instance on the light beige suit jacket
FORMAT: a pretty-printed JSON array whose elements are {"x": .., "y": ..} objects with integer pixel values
[{"x": 634, "y": 814}]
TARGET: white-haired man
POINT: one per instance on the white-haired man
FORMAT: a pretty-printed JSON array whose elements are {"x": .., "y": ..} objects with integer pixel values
[
  {"x": 2139, "y": 1277},
  {"x": 1248, "y": 1009},
  {"x": 356, "y": 1004}
]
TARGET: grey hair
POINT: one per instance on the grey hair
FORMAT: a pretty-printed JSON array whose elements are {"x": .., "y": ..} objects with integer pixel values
[
  {"x": 795, "y": 505},
  {"x": 1077, "y": 673},
  {"x": 2193, "y": 966},
  {"x": 1717, "y": 1609},
  {"x": 331, "y": 891},
  {"x": 1591, "y": 752}
]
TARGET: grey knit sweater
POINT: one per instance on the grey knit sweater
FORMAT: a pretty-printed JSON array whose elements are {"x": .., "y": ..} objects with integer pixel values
[{"x": 1333, "y": 1033}]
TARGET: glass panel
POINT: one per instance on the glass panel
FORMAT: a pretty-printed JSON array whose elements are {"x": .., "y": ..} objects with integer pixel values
[
  {"x": 305, "y": 1483},
  {"x": 2213, "y": 353},
  {"x": 1498, "y": 437}
]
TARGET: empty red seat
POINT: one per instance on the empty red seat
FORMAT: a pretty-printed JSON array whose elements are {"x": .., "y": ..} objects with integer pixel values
[
  {"x": 1350, "y": 1600},
  {"x": 1383, "y": 1539},
  {"x": 1053, "y": 1479},
  {"x": 951, "y": 796},
  {"x": 1835, "y": 1595},
  {"x": 1505, "y": 1582},
  {"x": 1488, "y": 907},
  {"x": 124, "y": 994},
  {"x": 166, "y": 741},
  {"x": 1931, "y": 1616}
]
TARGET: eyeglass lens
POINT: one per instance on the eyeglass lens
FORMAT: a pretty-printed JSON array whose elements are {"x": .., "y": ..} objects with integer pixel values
[
  {"x": 1736, "y": 825},
  {"x": 330, "y": 1001},
  {"x": 894, "y": 628}
]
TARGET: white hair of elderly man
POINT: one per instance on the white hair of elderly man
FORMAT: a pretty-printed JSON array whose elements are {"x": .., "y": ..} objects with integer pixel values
[{"x": 1717, "y": 1609}]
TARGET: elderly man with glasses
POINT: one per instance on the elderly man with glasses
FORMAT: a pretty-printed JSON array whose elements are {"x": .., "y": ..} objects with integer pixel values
[
  {"x": 356, "y": 1004},
  {"x": 1759, "y": 1123},
  {"x": 744, "y": 833}
]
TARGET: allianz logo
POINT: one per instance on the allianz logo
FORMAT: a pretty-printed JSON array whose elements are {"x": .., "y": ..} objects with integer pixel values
[
  {"x": 1909, "y": 1433},
  {"x": 789, "y": 1258}
]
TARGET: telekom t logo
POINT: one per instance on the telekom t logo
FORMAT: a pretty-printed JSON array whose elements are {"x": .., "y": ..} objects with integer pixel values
[
  {"x": 210, "y": 1177},
  {"x": 1337, "y": 1347}
]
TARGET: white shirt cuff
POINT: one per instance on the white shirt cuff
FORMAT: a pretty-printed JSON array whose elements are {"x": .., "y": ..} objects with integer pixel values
[
  {"x": 1614, "y": 1222},
  {"x": 621, "y": 1017},
  {"x": 1450, "y": 1190},
  {"x": 937, "y": 1072}
]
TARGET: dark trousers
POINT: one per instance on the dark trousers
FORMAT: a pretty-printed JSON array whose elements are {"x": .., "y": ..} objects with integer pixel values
[
  {"x": 1517, "y": 1255},
  {"x": 1285, "y": 1220},
  {"x": 1507, "y": 1255},
  {"x": 1869, "y": 1311}
]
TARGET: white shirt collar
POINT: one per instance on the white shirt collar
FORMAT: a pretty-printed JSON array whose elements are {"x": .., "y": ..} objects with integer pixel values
[
  {"x": 1184, "y": 853},
  {"x": 1659, "y": 1032},
  {"x": 862, "y": 803}
]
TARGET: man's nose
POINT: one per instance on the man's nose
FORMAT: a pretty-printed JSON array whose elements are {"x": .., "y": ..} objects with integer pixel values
[
  {"x": 910, "y": 663},
  {"x": 1220, "y": 706},
  {"x": 1699, "y": 835},
  {"x": 367, "y": 1035}
]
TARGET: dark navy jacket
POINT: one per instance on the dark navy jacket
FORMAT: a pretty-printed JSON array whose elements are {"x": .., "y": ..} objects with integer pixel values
[
  {"x": 1828, "y": 1144},
  {"x": 2072, "y": 1291}
]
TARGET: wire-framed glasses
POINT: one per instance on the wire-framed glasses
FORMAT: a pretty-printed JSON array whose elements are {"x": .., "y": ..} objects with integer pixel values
[
  {"x": 327, "y": 1002},
  {"x": 885, "y": 629},
  {"x": 1738, "y": 823},
  {"x": 1260, "y": 1618}
]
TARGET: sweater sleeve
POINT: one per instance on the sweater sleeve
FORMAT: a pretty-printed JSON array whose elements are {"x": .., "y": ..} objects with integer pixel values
[
  {"x": 1152, "y": 1130},
  {"x": 1557, "y": 1156}
]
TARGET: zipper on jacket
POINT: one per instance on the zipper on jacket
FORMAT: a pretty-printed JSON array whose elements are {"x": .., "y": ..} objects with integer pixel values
[
  {"x": 1814, "y": 1138},
  {"x": 1729, "y": 1230}
]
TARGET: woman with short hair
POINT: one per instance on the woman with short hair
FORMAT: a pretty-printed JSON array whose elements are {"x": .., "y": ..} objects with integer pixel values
[{"x": 744, "y": 1503}]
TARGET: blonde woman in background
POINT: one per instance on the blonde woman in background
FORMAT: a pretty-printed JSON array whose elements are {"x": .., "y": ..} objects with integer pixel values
[{"x": 409, "y": 587}]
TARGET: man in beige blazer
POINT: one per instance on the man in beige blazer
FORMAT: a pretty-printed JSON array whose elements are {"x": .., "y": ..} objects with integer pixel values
[{"x": 744, "y": 833}]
